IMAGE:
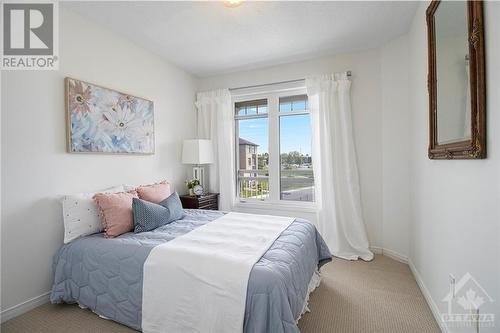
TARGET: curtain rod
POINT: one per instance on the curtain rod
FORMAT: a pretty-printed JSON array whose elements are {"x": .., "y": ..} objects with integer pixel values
[{"x": 349, "y": 74}]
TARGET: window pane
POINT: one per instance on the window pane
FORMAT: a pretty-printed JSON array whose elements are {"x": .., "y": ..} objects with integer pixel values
[
  {"x": 262, "y": 109},
  {"x": 241, "y": 111},
  {"x": 253, "y": 158},
  {"x": 297, "y": 178},
  {"x": 293, "y": 103},
  {"x": 250, "y": 107},
  {"x": 251, "y": 110},
  {"x": 299, "y": 105},
  {"x": 285, "y": 107}
]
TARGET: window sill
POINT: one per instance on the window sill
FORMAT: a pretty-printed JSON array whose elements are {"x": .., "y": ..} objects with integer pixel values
[{"x": 278, "y": 206}]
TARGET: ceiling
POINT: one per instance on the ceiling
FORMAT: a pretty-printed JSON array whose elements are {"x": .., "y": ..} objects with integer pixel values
[{"x": 208, "y": 38}]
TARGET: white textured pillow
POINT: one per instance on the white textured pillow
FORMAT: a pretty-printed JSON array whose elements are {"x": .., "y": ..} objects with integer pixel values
[
  {"x": 128, "y": 187},
  {"x": 81, "y": 215}
]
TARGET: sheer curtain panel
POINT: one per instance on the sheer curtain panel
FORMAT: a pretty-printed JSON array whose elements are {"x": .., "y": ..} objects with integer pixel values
[
  {"x": 340, "y": 217},
  {"x": 216, "y": 122}
]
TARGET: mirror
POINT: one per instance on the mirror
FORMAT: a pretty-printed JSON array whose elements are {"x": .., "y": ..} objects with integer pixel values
[
  {"x": 456, "y": 80},
  {"x": 452, "y": 78}
]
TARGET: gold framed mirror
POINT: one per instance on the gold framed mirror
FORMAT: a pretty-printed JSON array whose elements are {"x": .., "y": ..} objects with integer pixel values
[{"x": 456, "y": 80}]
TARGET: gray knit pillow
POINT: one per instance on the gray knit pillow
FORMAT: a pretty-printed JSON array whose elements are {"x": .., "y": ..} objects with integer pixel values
[
  {"x": 149, "y": 216},
  {"x": 174, "y": 205}
]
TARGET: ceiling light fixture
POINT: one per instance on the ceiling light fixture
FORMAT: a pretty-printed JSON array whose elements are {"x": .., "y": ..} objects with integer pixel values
[{"x": 232, "y": 3}]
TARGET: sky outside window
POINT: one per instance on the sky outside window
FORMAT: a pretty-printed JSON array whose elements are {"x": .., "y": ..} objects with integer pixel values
[
  {"x": 295, "y": 134},
  {"x": 256, "y": 131}
]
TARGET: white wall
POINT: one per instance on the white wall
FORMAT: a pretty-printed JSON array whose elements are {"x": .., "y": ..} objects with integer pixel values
[
  {"x": 367, "y": 118},
  {"x": 35, "y": 165},
  {"x": 444, "y": 215},
  {"x": 395, "y": 147},
  {"x": 456, "y": 217}
]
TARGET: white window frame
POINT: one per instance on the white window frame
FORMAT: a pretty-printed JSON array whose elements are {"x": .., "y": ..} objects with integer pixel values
[{"x": 273, "y": 115}]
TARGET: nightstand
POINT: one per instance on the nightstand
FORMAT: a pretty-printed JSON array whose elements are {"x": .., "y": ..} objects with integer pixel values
[{"x": 206, "y": 201}]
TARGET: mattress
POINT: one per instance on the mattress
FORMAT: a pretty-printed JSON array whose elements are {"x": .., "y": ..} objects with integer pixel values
[{"x": 105, "y": 275}]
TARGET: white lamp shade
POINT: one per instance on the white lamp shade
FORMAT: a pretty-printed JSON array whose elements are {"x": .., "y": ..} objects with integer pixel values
[{"x": 197, "y": 152}]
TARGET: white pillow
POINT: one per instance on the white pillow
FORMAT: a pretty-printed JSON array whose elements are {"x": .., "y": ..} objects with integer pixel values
[
  {"x": 81, "y": 215},
  {"x": 128, "y": 187}
]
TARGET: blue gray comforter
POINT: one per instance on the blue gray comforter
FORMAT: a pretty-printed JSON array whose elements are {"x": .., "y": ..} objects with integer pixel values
[{"x": 105, "y": 275}]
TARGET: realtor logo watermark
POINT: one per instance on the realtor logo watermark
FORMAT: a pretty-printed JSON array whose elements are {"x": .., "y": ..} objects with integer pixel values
[
  {"x": 464, "y": 301},
  {"x": 29, "y": 35}
]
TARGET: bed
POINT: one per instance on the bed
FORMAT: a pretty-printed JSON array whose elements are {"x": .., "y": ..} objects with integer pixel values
[{"x": 106, "y": 275}]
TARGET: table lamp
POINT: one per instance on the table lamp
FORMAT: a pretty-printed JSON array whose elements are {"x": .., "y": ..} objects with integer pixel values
[{"x": 197, "y": 152}]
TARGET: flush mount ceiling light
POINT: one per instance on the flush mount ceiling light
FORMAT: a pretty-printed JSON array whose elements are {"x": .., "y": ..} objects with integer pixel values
[{"x": 232, "y": 3}]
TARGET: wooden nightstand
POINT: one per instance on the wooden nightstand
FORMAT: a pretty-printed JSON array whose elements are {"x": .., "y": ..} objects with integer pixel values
[{"x": 206, "y": 201}]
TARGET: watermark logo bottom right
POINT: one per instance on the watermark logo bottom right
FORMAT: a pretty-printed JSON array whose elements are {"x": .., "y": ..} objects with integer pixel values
[{"x": 464, "y": 302}]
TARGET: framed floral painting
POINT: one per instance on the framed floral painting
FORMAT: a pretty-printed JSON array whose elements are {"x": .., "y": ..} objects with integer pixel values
[{"x": 102, "y": 120}]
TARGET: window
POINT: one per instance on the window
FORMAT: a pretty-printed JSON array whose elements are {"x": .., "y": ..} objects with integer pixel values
[
  {"x": 252, "y": 133},
  {"x": 296, "y": 174},
  {"x": 256, "y": 107},
  {"x": 293, "y": 103},
  {"x": 273, "y": 137}
]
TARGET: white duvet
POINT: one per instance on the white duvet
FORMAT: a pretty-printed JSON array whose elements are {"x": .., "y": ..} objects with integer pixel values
[{"x": 198, "y": 281}]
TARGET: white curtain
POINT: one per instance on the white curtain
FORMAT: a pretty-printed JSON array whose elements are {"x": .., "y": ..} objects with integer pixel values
[
  {"x": 340, "y": 218},
  {"x": 215, "y": 122}
]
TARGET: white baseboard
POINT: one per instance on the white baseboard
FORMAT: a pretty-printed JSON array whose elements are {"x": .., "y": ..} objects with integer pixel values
[
  {"x": 23, "y": 307},
  {"x": 395, "y": 255},
  {"x": 428, "y": 298},
  {"x": 389, "y": 253},
  {"x": 376, "y": 249}
]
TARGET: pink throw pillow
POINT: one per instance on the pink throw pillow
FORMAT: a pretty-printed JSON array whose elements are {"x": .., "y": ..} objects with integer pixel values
[
  {"x": 116, "y": 212},
  {"x": 154, "y": 193}
]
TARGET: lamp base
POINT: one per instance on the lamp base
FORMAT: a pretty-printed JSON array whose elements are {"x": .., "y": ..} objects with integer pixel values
[{"x": 199, "y": 173}]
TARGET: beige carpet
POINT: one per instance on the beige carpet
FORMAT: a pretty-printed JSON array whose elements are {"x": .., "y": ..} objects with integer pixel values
[{"x": 354, "y": 297}]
